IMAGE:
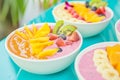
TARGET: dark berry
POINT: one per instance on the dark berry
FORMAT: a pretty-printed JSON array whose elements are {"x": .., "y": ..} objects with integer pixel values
[
  {"x": 60, "y": 50},
  {"x": 87, "y": 4},
  {"x": 94, "y": 8},
  {"x": 62, "y": 36}
]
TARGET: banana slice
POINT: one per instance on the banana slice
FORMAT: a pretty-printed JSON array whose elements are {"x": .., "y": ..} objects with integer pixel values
[
  {"x": 103, "y": 65},
  {"x": 110, "y": 74}
]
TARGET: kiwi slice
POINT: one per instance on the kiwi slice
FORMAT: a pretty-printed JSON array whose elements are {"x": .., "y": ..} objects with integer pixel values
[{"x": 58, "y": 25}]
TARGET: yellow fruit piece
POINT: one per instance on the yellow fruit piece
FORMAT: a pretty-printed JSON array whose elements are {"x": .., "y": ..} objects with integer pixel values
[
  {"x": 34, "y": 29},
  {"x": 30, "y": 35},
  {"x": 118, "y": 68},
  {"x": 44, "y": 44},
  {"x": 37, "y": 50},
  {"x": 46, "y": 53},
  {"x": 43, "y": 31},
  {"x": 114, "y": 58},
  {"x": 21, "y": 34},
  {"x": 86, "y": 13},
  {"x": 40, "y": 39},
  {"x": 114, "y": 54}
]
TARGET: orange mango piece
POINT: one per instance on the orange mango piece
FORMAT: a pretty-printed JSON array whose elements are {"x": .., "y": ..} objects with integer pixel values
[
  {"x": 21, "y": 34},
  {"x": 114, "y": 56},
  {"x": 43, "y": 31},
  {"x": 34, "y": 30},
  {"x": 48, "y": 52},
  {"x": 118, "y": 68},
  {"x": 28, "y": 32},
  {"x": 40, "y": 39}
]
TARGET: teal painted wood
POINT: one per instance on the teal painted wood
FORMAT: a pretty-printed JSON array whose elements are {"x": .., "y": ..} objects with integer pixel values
[{"x": 10, "y": 71}]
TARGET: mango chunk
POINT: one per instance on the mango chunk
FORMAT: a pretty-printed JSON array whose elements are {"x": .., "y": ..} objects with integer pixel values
[
  {"x": 48, "y": 52},
  {"x": 43, "y": 31},
  {"x": 21, "y": 34},
  {"x": 114, "y": 56},
  {"x": 40, "y": 39},
  {"x": 118, "y": 68},
  {"x": 28, "y": 32}
]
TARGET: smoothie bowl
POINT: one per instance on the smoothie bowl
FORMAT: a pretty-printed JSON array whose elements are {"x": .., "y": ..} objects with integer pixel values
[
  {"x": 90, "y": 17},
  {"x": 117, "y": 29},
  {"x": 99, "y": 62},
  {"x": 44, "y": 48}
]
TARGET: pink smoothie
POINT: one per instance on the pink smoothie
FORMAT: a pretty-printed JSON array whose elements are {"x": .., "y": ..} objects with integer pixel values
[
  {"x": 87, "y": 68},
  {"x": 66, "y": 49},
  {"x": 118, "y": 26}
]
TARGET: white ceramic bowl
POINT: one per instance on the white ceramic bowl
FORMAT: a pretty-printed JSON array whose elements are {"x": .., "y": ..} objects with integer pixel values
[
  {"x": 43, "y": 66},
  {"x": 117, "y": 24},
  {"x": 90, "y": 56},
  {"x": 87, "y": 29}
]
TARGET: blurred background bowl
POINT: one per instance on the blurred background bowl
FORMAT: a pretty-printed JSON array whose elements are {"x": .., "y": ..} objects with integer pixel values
[{"x": 86, "y": 29}]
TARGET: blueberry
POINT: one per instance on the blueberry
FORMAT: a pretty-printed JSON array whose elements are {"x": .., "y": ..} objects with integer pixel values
[
  {"x": 94, "y": 8},
  {"x": 60, "y": 50},
  {"x": 87, "y": 4},
  {"x": 62, "y": 36}
]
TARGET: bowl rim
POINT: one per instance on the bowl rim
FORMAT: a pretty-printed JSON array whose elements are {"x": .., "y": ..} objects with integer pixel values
[
  {"x": 79, "y": 56},
  {"x": 47, "y": 60},
  {"x": 108, "y": 19},
  {"x": 118, "y": 21}
]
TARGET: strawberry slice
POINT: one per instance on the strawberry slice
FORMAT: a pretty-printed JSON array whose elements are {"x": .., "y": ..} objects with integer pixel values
[
  {"x": 74, "y": 37},
  {"x": 52, "y": 36},
  {"x": 100, "y": 10},
  {"x": 60, "y": 42}
]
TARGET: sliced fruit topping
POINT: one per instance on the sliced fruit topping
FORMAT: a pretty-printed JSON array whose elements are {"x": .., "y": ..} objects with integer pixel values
[
  {"x": 67, "y": 5},
  {"x": 114, "y": 56},
  {"x": 60, "y": 42},
  {"x": 45, "y": 53},
  {"x": 67, "y": 30},
  {"x": 100, "y": 10},
  {"x": 73, "y": 37},
  {"x": 98, "y": 3},
  {"x": 62, "y": 36},
  {"x": 58, "y": 25},
  {"x": 43, "y": 31},
  {"x": 53, "y": 36}
]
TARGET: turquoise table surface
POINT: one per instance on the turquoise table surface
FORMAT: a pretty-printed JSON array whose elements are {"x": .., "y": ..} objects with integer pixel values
[{"x": 10, "y": 71}]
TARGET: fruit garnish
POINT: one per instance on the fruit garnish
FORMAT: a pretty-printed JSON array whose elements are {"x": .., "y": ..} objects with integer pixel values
[
  {"x": 67, "y": 30},
  {"x": 100, "y": 10},
  {"x": 59, "y": 50},
  {"x": 60, "y": 42},
  {"x": 62, "y": 36},
  {"x": 43, "y": 31},
  {"x": 73, "y": 37},
  {"x": 57, "y": 26},
  {"x": 67, "y": 5},
  {"x": 98, "y": 3},
  {"x": 114, "y": 56},
  {"x": 45, "y": 53},
  {"x": 53, "y": 36}
]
